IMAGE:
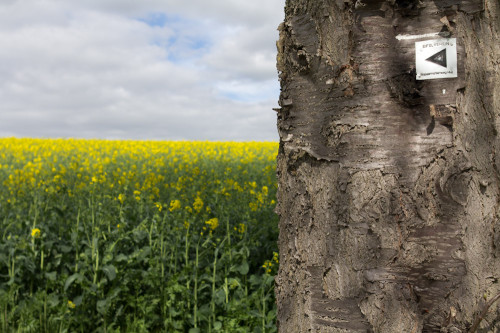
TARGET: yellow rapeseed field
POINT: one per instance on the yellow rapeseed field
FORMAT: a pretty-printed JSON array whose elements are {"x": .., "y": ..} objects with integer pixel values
[{"x": 137, "y": 235}]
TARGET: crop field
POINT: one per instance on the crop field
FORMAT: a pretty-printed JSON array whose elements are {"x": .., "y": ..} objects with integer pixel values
[{"x": 137, "y": 236}]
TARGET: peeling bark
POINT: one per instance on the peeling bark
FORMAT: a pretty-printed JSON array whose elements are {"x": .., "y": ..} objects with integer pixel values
[{"x": 388, "y": 186}]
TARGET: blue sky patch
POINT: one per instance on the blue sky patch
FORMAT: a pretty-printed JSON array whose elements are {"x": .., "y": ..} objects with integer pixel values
[
  {"x": 185, "y": 49},
  {"x": 250, "y": 92},
  {"x": 186, "y": 43},
  {"x": 157, "y": 19}
]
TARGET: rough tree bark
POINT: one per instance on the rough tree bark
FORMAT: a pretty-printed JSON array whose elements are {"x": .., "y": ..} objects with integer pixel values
[{"x": 389, "y": 187}]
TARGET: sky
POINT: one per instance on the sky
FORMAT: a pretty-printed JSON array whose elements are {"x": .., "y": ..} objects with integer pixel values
[{"x": 139, "y": 69}]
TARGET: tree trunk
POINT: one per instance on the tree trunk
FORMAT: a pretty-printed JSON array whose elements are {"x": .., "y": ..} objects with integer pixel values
[{"x": 388, "y": 185}]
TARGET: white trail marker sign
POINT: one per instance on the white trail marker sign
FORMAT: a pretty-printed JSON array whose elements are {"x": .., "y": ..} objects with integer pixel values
[{"x": 436, "y": 59}]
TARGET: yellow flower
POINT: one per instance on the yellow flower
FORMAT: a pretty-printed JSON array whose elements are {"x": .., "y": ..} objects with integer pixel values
[
  {"x": 118, "y": 226},
  {"x": 198, "y": 204},
  {"x": 121, "y": 198},
  {"x": 159, "y": 206},
  {"x": 267, "y": 266},
  {"x": 35, "y": 233},
  {"x": 71, "y": 305},
  {"x": 137, "y": 195},
  {"x": 186, "y": 224},
  {"x": 213, "y": 223},
  {"x": 241, "y": 228},
  {"x": 265, "y": 190},
  {"x": 253, "y": 206},
  {"x": 174, "y": 204}
]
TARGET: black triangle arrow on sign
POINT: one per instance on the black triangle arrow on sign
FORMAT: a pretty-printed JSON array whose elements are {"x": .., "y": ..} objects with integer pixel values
[{"x": 439, "y": 58}]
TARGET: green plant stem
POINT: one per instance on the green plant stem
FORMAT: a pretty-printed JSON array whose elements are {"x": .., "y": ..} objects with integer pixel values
[
  {"x": 170, "y": 267},
  {"x": 12, "y": 266},
  {"x": 173, "y": 257},
  {"x": 228, "y": 236},
  {"x": 226, "y": 288},
  {"x": 212, "y": 301},
  {"x": 96, "y": 261},
  {"x": 186, "y": 246},
  {"x": 95, "y": 239},
  {"x": 230, "y": 253},
  {"x": 34, "y": 225},
  {"x": 263, "y": 299},
  {"x": 92, "y": 211},
  {"x": 5, "y": 323},
  {"x": 186, "y": 262},
  {"x": 162, "y": 276},
  {"x": 195, "y": 306},
  {"x": 41, "y": 259},
  {"x": 77, "y": 246},
  {"x": 151, "y": 236},
  {"x": 45, "y": 310}
]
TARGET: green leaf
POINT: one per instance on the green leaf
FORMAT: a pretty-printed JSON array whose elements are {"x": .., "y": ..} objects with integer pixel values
[
  {"x": 53, "y": 300},
  {"x": 255, "y": 280},
  {"x": 78, "y": 300},
  {"x": 102, "y": 306},
  {"x": 234, "y": 283},
  {"x": 173, "y": 312},
  {"x": 255, "y": 313},
  {"x": 217, "y": 325},
  {"x": 114, "y": 293},
  {"x": 203, "y": 286},
  {"x": 243, "y": 268},
  {"x": 194, "y": 330},
  {"x": 121, "y": 257},
  {"x": 65, "y": 249},
  {"x": 220, "y": 296},
  {"x": 52, "y": 276},
  {"x": 204, "y": 311},
  {"x": 271, "y": 315},
  {"x": 71, "y": 279},
  {"x": 110, "y": 272}
]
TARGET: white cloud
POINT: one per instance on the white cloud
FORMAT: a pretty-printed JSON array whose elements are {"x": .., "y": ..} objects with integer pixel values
[{"x": 205, "y": 71}]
